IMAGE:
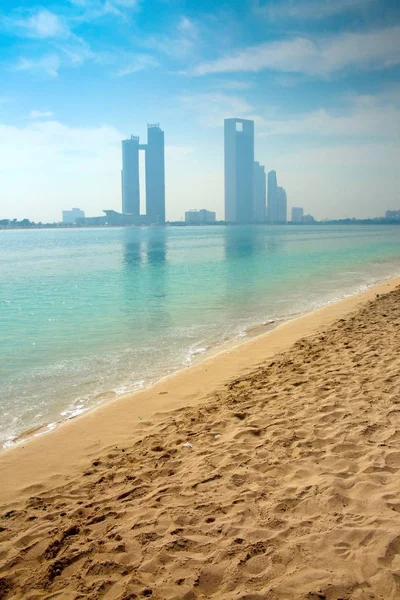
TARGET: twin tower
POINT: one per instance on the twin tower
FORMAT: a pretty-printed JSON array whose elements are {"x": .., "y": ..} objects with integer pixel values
[{"x": 155, "y": 175}]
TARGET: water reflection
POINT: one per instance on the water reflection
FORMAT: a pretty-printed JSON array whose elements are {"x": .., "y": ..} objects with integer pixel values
[
  {"x": 145, "y": 279},
  {"x": 239, "y": 242},
  {"x": 132, "y": 247},
  {"x": 156, "y": 246}
]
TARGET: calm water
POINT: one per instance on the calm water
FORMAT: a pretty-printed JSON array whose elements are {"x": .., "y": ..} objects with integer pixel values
[{"x": 87, "y": 314}]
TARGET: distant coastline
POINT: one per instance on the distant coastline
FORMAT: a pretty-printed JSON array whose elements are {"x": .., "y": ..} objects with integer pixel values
[{"x": 22, "y": 225}]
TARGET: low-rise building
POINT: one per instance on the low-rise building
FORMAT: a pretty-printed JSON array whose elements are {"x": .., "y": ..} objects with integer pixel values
[
  {"x": 297, "y": 214},
  {"x": 70, "y": 216},
  {"x": 392, "y": 214},
  {"x": 199, "y": 217}
]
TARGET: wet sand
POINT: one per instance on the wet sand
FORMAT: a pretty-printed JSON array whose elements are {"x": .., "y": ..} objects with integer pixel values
[{"x": 268, "y": 471}]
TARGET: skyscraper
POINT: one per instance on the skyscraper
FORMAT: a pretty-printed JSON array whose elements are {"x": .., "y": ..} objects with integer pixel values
[
  {"x": 277, "y": 200},
  {"x": 259, "y": 194},
  {"x": 155, "y": 175},
  {"x": 130, "y": 176},
  {"x": 272, "y": 198},
  {"x": 239, "y": 170},
  {"x": 282, "y": 205}
]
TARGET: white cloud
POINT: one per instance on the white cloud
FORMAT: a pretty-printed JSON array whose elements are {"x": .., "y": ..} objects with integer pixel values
[
  {"x": 96, "y": 9},
  {"x": 180, "y": 44},
  {"x": 211, "y": 108},
  {"x": 62, "y": 166},
  {"x": 49, "y": 64},
  {"x": 43, "y": 24},
  {"x": 136, "y": 63},
  {"x": 232, "y": 84},
  {"x": 309, "y": 9},
  {"x": 39, "y": 114},
  {"x": 368, "y": 116},
  {"x": 319, "y": 57}
]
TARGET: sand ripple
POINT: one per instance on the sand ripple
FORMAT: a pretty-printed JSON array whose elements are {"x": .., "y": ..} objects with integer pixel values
[{"x": 284, "y": 484}]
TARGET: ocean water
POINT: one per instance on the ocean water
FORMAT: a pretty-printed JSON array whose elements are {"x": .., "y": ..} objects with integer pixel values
[{"x": 88, "y": 314}]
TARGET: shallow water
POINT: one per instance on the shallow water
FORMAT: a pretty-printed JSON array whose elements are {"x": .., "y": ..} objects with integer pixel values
[{"x": 92, "y": 313}]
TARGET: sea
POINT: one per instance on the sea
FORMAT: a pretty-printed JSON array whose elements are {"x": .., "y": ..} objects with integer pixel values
[{"x": 87, "y": 315}]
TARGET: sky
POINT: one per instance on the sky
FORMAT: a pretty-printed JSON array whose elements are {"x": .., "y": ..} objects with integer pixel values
[{"x": 320, "y": 78}]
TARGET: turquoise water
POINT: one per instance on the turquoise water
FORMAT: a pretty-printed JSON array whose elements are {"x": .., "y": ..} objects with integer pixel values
[{"x": 89, "y": 314}]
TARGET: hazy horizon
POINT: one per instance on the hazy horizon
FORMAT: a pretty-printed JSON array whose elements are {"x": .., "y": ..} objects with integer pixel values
[{"x": 320, "y": 79}]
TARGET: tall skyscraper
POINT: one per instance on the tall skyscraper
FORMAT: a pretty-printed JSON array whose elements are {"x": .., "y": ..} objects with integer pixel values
[
  {"x": 277, "y": 200},
  {"x": 272, "y": 211},
  {"x": 239, "y": 170},
  {"x": 282, "y": 205},
  {"x": 155, "y": 175},
  {"x": 259, "y": 194},
  {"x": 130, "y": 176}
]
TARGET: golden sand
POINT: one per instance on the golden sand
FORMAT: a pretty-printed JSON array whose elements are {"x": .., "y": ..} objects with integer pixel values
[{"x": 270, "y": 471}]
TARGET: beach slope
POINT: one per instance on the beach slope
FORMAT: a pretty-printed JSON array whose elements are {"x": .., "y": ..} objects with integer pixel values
[{"x": 282, "y": 483}]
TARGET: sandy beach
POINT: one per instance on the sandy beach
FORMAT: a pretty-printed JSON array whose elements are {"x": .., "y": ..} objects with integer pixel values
[{"x": 269, "y": 471}]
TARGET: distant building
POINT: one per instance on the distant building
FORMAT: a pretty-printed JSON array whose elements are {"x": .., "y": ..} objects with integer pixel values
[
  {"x": 392, "y": 214},
  {"x": 282, "y": 205},
  {"x": 70, "y": 216},
  {"x": 112, "y": 217},
  {"x": 259, "y": 193},
  {"x": 277, "y": 201},
  {"x": 130, "y": 176},
  {"x": 155, "y": 175},
  {"x": 239, "y": 170},
  {"x": 272, "y": 208},
  {"x": 307, "y": 219},
  {"x": 297, "y": 214},
  {"x": 199, "y": 217}
]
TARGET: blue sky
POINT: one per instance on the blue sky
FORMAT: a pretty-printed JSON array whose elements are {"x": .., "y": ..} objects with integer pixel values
[{"x": 321, "y": 78}]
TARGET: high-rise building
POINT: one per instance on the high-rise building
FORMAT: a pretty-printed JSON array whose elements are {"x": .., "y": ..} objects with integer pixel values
[
  {"x": 282, "y": 205},
  {"x": 272, "y": 209},
  {"x": 155, "y": 175},
  {"x": 277, "y": 201},
  {"x": 239, "y": 170},
  {"x": 130, "y": 176},
  {"x": 297, "y": 214},
  {"x": 259, "y": 193}
]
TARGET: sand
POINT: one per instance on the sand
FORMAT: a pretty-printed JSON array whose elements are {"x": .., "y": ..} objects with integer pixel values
[{"x": 282, "y": 482}]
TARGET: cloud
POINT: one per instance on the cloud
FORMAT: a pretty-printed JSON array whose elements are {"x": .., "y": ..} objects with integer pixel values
[
  {"x": 377, "y": 49},
  {"x": 48, "y": 64},
  {"x": 59, "y": 163},
  {"x": 211, "y": 108},
  {"x": 43, "y": 24},
  {"x": 96, "y": 9},
  {"x": 180, "y": 44},
  {"x": 309, "y": 9},
  {"x": 232, "y": 84},
  {"x": 372, "y": 118},
  {"x": 38, "y": 114},
  {"x": 136, "y": 63}
]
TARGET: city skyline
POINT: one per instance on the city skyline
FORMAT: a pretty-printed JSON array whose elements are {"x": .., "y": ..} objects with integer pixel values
[{"x": 319, "y": 79}]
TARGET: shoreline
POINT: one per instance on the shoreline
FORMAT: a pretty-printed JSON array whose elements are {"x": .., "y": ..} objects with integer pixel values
[
  {"x": 252, "y": 332},
  {"x": 54, "y": 457}
]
